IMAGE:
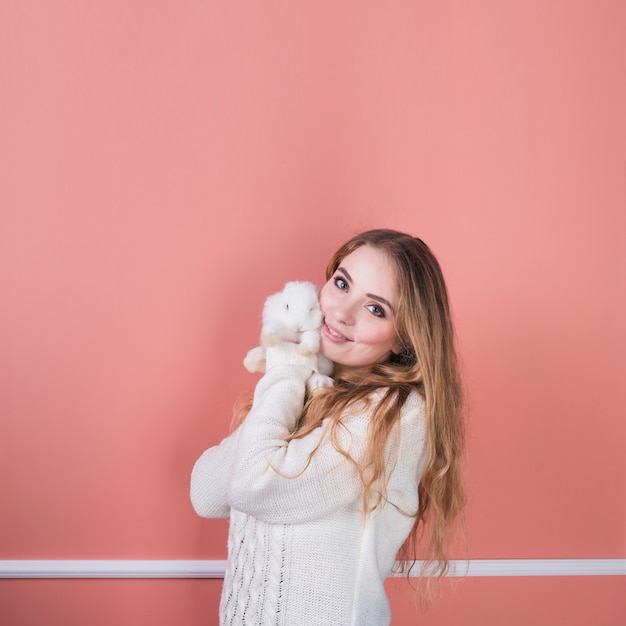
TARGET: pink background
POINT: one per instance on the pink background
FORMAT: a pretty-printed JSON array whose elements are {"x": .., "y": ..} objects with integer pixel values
[{"x": 165, "y": 165}]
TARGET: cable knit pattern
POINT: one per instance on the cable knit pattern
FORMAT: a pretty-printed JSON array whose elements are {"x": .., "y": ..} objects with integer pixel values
[
  {"x": 300, "y": 551},
  {"x": 255, "y": 576}
]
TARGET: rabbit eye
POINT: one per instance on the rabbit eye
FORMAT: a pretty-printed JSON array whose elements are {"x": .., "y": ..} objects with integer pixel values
[{"x": 287, "y": 306}]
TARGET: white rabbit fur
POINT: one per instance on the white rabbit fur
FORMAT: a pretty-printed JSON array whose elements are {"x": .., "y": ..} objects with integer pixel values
[{"x": 293, "y": 315}]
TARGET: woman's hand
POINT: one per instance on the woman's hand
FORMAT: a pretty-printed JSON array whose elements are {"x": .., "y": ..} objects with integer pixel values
[{"x": 287, "y": 353}]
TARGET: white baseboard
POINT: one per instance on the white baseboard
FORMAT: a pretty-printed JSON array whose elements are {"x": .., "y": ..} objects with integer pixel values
[
  {"x": 111, "y": 569},
  {"x": 215, "y": 569},
  {"x": 540, "y": 567}
]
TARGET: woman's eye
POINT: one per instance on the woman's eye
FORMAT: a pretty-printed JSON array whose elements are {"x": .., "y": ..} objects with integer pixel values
[
  {"x": 341, "y": 283},
  {"x": 376, "y": 310}
]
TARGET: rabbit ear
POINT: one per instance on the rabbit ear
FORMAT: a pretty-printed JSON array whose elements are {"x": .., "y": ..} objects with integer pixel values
[
  {"x": 301, "y": 290},
  {"x": 275, "y": 302}
]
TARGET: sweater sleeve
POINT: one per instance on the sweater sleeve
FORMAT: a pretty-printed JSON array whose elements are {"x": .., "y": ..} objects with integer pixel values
[
  {"x": 209, "y": 479},
  {"x": 279, "y": 481}
]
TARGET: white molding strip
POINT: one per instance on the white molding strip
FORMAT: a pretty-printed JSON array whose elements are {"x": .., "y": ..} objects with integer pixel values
[
  {"x": 112, "y": 569},
  {"x": 215, "y": 569},
  {"x": 539, "y": 567}
]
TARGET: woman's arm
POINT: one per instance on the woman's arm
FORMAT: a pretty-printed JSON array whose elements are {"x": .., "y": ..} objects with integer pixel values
[
  {"x": 210, "y": 476},
  {"x": 212, "y": 472},
  {"x": 278, "y": 480}
]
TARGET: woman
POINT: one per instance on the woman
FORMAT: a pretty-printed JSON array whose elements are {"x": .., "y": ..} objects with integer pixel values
[{"x": 324, "y": 492}]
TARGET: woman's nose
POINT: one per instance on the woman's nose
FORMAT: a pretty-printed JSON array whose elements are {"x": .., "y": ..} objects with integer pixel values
[{"x": 345, "y": 312}]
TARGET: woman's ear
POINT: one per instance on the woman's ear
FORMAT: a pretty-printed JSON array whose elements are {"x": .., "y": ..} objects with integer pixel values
[{"x": 397, "y": 347}]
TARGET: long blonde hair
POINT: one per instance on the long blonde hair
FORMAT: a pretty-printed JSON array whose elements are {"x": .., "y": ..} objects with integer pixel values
[{"x": 426, "y": 364}]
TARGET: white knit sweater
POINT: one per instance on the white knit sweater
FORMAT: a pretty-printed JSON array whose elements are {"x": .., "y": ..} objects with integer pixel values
[{"x": 300, "y": 551}]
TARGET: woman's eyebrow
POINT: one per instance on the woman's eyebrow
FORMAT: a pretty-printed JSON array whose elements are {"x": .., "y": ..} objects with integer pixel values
[
  {"x": 344, "y": 271},
  {"x": 380, "y": 299},
  {"x": 369, "y": 295}
]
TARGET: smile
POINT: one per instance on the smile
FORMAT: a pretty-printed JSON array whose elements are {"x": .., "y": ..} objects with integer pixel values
[{"x": 332, "y": 334}]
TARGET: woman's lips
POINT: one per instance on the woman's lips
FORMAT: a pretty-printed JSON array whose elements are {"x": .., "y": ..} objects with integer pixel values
[{"x": 334, "y": 335}]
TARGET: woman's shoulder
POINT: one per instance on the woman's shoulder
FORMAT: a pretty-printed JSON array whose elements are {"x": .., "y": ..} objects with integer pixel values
[
  {"x": 414, "y": 398},
  {"x": 413, "y": 407},
  {"x": 414, "y": 410},
  {"x": 415, "y": 401}
]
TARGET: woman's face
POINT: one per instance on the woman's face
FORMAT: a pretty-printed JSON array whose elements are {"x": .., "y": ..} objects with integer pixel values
[{"x": 359, "y": 303}]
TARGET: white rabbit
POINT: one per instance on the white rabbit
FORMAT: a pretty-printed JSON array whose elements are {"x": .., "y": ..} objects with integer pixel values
[{"x": 293, "y": 315}]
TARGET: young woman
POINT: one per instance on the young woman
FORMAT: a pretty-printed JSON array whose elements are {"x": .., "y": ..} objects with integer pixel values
[{"x": 325, "y": 492}]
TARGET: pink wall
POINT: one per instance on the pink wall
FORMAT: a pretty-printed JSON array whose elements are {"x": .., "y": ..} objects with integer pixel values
[{"x": 165, "y": 165}]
